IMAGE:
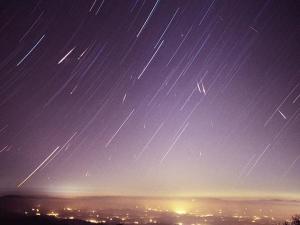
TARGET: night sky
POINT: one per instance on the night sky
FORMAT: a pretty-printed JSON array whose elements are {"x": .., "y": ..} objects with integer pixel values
[{"x": 142, "y": 97}]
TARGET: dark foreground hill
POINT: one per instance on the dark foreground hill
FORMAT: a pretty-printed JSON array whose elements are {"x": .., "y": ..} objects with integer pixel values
[{"x": 18, "y": 219}]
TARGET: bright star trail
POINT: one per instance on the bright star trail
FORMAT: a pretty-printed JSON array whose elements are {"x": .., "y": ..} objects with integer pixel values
[
  {"x": 150, "y": 98},
  {"x": 39, "y": 166}
]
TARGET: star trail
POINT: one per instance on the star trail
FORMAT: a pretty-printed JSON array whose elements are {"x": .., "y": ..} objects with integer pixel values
[{"x": 151, "y": 98}]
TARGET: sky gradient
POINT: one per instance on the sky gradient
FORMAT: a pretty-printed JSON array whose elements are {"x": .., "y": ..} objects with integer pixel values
[{"x": 182, "y": 98}]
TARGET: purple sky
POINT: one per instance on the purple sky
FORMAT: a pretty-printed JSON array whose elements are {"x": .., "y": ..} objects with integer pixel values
[{"x": 150, "y": 97}]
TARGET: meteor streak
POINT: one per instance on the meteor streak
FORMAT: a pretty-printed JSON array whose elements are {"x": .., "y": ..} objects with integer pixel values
[{"x": 37, "y": 168}]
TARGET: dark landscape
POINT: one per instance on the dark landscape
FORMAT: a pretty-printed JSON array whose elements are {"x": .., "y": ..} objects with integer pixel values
[{"x": 141, "y": 210}]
